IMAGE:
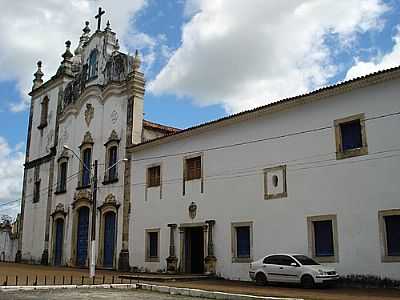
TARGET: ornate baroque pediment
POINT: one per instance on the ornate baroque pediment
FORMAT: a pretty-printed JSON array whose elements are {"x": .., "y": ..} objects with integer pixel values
[
  {"x": 109, "y": 201},
  {"x": 82, "y": 196},
  {"x": 59, "y": 210},
  {"x": 87, "y": 139}
]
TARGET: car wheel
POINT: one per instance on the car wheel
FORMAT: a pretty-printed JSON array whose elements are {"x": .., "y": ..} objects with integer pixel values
[
  {"x": 307, "y": 282},
  {"x": 261, "y": 279}
]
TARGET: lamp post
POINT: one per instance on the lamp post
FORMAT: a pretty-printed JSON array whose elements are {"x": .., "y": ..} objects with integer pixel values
[{"x": 92, "y": 269}]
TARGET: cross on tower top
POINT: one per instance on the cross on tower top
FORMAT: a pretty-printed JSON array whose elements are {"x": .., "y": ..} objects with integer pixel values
[{"x": 98, "y": 17}]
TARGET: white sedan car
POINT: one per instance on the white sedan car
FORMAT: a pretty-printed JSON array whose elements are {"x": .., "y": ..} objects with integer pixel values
[{"x": 291, "y": 268}]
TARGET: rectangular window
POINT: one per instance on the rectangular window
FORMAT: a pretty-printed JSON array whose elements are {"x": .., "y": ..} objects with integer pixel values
[
  {"x": 152, "y": 245},
  {"x": 87, "y": 161},
  {"x": 392, "y": 224},
  {"x": 389, "y": 229},
  {"x": 36, "y": 185},
  {"x": 62, "y": 179},
  {"x": 44, "y": 113},
  {"x": 153, "y": 176},
  {"x": 242, "y": 242},
  {"x": 112, "y": 160},
  {"x": 36, "y": 191},
  {"x": 193, "y": 168},
  {"x": 350, "y": 137},
  {"x": 322, "y": 238}
]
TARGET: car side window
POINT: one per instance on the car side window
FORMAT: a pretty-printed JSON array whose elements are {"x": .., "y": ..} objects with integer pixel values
[
  {"x": 286, "y": 260},
  {"x": 272, "y": 260}
]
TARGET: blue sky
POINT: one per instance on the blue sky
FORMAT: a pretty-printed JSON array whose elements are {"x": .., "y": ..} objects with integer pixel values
[{"x": 203, "y": 59}]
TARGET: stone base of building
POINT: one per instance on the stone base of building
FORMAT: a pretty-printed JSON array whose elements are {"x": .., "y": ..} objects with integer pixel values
[
  {"x": 172, "y": 264},
  {"x": 210, "y": 263},
  {"x": 45, "y": 257},
  {"x": 123, "y": 261}
]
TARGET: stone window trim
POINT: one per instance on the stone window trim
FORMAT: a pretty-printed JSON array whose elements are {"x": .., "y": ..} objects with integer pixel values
[
  {"x": 87, "y": 143},
  {"x": 148, "y": 184},
  {"x": 60, "y": 161},
  {"x": 383, "y": 235},
  {"x": 340, "y": 154},
  {"x": 113, "y": 141},
  {"x": 235, "y": 258},
  {"x": 284, "y": 194},
  {"x": 157, "y": 164},
  {"x": 148, "y": 258},
  {"x": 184, "y": 171},
  {"x": 311, "y": 238},
  {"x": 81, "y": 168},
  {"x": 44, "y": 112},
  {"x": 107, "y": 179}
]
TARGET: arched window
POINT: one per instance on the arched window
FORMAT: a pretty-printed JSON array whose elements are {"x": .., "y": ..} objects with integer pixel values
[{"x": 93, "y": 64}]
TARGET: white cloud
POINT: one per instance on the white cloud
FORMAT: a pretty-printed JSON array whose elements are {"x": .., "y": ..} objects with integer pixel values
[
  {"x": 11, "y": 174},
  {"x": 37, "y": 30},
  {"x": 242, "y": 55},
  {"x": 380, "y": 62}
]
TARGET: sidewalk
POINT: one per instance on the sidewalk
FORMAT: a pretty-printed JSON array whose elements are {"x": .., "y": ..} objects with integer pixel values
[{"x": 23, "y": 270}]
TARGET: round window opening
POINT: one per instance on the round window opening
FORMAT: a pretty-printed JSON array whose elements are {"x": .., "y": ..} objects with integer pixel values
[{"x": 275, "y": 181}]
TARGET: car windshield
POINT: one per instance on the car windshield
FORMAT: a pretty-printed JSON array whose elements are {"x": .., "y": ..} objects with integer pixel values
[{"x": 305, "y": 260}]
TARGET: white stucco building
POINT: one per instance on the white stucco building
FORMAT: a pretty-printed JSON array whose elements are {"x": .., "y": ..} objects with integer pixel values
[
  {"x": 8, "y": 240},
  {"x": 314, "y": 174}
]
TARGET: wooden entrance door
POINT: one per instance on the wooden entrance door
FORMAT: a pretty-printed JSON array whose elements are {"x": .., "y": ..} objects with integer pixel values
[
  {"x": 109, "y": 240},
  {"x": 58, "y": 247}
]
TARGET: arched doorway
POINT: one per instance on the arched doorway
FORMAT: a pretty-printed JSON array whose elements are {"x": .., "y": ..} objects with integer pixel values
[
  {"x": 58, "y": 246},
  {"x": 109, "y": 239},
  {"x": 82, "y": 236}
]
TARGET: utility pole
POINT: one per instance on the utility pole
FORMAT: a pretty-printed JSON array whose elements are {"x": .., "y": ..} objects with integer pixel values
[{"x": 93, "y": 233}]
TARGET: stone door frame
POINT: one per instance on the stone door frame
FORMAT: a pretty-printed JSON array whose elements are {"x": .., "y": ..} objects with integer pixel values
[{"x": 182, "y": 234}]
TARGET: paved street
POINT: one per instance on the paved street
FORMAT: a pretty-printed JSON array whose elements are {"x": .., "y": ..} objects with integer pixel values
[{"x": 89, "y": 294}]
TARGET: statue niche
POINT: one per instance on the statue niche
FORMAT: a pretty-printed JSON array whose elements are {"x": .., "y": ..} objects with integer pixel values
[{"x": 116, "y": 68}]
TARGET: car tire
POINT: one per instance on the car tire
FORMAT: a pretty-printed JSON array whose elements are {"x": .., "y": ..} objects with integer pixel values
[
  {"x": 307, "y": 282},
  {"x": 261, "y": 279}
]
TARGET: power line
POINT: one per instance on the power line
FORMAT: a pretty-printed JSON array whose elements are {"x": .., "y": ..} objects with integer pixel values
[
  {"x": 211, "y": 177},
  {"x": 261, "y": 139},
  {"x": 260, "y": 170}
]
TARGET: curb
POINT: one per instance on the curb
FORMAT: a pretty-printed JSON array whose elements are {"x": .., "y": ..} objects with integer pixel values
[
  {"x": 71, "y": 286},
  {"x": 149, "y": 287},
  {"x": 203, "y": 293}
]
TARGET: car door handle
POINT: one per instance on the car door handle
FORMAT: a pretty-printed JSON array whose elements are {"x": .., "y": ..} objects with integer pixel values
[{"x": 281, "y": 268}]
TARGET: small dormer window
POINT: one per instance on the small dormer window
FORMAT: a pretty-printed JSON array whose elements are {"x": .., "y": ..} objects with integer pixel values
[{"x": 93, "y": 64}]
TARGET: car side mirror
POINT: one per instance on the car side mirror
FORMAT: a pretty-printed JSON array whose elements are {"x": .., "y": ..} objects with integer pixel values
[{"x": 294, "y": 264}]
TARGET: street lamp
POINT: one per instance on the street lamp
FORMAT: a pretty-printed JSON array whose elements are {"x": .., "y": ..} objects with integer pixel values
[{"x": 92, "y": 269}]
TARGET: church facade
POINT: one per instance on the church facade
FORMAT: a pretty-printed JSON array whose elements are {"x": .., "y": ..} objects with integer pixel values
[
  {"x": 316, "y": 174},
  {"x": 89, "y": 112}
]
